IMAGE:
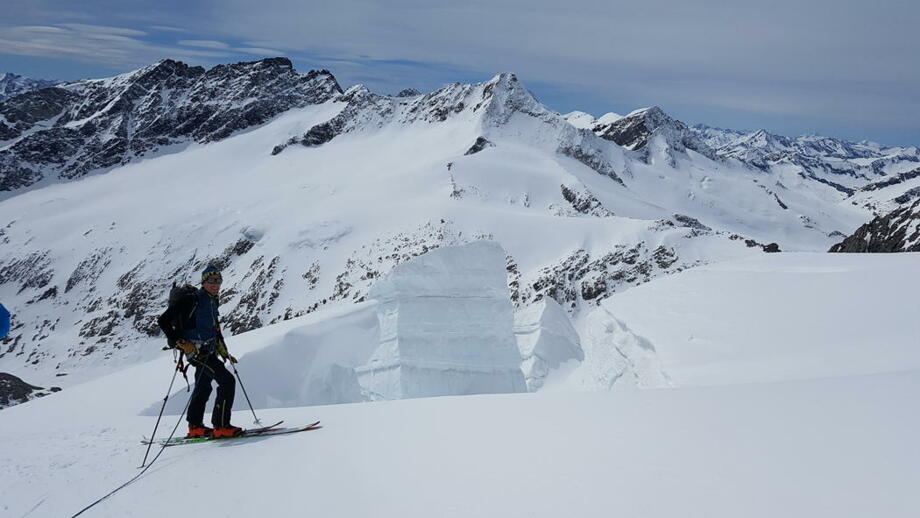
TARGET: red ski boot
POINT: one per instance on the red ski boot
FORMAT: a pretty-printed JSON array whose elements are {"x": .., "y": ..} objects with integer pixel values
[
  {"x": 199, "y": 430},
  {"x": 229, "y": 431}
]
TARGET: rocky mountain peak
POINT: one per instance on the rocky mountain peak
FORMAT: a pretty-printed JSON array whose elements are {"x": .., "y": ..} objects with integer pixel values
[
  {"x": 638, "y": 128},
  {"x": 504, "y": 95},
  {"x": 85, "y": 126}
]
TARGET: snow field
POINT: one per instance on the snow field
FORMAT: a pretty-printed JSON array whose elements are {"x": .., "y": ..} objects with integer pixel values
[
  {"x": 837, "y": 447},
  {"x": 840, "y": 443}
]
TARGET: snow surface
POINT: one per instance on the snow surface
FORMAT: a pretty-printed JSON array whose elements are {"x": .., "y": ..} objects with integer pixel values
[
  {"x": 780, "y": 317},
  {"x": 828, "y": 430}
]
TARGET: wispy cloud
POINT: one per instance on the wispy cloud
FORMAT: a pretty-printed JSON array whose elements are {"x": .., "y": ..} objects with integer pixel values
[
  {"x": 101, "y": 29},
  {"x": 111, "y": 46},
  {"x": 167, "y": 28},
  {"x": 206, "y": 44},
  {"x": 259, "y": 51}
]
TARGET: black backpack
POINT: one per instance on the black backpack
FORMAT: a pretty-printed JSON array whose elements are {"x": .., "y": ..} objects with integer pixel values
[{"x": 177, "y": 293}]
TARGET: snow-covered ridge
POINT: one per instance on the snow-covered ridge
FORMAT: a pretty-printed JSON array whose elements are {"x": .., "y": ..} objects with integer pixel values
[
  {"x": 638, "y": 128},
  {"x": 843, "y": 165},
  {"x": 490, "y": 106}
]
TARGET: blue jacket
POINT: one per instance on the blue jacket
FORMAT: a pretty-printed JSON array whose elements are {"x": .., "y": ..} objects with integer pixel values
[
  {"x": 206, "y": 318},
  {"x": 4, "y": 321}
]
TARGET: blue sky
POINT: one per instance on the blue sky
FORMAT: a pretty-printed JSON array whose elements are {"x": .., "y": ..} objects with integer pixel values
[{"x": 839, "y": 68}]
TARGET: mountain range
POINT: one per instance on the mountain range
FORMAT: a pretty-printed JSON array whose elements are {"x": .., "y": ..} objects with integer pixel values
[{"x": 305, "y": 194}]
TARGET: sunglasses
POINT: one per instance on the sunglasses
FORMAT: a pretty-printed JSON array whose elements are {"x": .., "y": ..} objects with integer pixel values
[{"x": 213, "y": 281}]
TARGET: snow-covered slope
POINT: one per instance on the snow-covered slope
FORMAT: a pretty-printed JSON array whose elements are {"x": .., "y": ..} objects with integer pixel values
[
  {"x": 828, "y": 431},
  {"x": 852, "y": 168},
  {"x": 314, "y": 226},
  {"x": 323, "y": 193},
  {"x": 777, "y": 317}
]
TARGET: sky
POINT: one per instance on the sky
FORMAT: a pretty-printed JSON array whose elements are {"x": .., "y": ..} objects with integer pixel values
[{"x": 840, "y": 68}]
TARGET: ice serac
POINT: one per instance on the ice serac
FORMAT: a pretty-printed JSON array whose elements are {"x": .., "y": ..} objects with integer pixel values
[
  {"x": 446, "y": 327},
  {"x": 546, "y": 339}
]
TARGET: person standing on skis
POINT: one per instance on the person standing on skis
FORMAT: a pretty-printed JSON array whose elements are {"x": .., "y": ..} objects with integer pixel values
[{"x": 191, "y": 323}]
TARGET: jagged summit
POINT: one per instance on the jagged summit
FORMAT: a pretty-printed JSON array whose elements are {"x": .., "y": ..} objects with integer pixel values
[
  {"x": 838, "y": 163},
  {"x": 492, "y": 103},
  {"x": 488, "y": 107}
]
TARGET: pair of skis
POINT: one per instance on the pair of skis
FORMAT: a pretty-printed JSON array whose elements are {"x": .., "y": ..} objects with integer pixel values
[{"x": 253, "y": 432}]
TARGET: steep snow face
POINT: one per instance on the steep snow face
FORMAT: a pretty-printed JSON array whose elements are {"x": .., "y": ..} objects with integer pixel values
[
  {"x": 546, "y": 339},
  {"x": 12, "y": 85},
  {"x": 445, "y": 327},
  {"x": 75, "y": 129}
]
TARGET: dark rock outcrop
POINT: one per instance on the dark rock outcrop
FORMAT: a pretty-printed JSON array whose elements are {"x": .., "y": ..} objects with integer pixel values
[
  {"x": 480, "y": 144},
  {"x": 897, "y": 231},
  {"x": 14, "y": 391}
]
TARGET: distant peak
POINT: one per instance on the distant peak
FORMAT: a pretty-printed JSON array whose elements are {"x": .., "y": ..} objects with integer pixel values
[
  {"x": 504, "y": 77},
  {"x": 649, "y": 111},
  {"x": 408, "y": 92},
  {"x": 609, "y": 118}
]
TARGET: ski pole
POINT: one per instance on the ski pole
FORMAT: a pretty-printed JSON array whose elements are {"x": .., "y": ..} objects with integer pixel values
[
  {"x": 244, "y": 393},
  {"x": 162, "y": 408}
]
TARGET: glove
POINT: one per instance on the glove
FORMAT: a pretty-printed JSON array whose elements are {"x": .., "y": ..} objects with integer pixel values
[
  {"x": 224, "y": 353},
  {"x": 187, "y": 347}
]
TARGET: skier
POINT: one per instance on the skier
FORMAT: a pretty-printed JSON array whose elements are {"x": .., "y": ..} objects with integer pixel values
[
  {"x": 191, "y": 324},
  {"x": 4, "y": 321}
]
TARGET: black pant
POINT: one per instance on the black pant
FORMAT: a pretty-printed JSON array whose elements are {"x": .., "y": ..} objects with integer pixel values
[{"x": 207, "y": 369}]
